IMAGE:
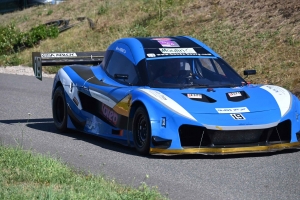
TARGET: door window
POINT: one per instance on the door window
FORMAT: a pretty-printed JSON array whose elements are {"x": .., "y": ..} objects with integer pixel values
[{"x": 120, "y": 64}]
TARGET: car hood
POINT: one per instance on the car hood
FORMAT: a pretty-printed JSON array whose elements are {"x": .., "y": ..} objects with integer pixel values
[{"x": 248, "y": 99}]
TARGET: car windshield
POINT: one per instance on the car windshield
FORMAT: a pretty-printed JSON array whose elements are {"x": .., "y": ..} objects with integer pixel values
[{"x": 191, "y": 72}]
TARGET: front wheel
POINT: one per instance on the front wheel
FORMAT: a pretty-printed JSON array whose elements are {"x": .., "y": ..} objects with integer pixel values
[
  {"x": 141, "y": 131},
  {"x": 59, "y": 109}
]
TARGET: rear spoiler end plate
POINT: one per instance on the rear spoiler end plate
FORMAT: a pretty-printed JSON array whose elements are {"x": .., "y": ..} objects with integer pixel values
[{"x": 66, "y": 58}]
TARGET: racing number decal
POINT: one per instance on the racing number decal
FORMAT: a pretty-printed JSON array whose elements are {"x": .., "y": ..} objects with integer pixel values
[{"x": 237, "y": 116}]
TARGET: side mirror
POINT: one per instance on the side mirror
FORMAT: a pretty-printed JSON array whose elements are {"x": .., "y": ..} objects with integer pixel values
[{"x": 249, "y": 72}]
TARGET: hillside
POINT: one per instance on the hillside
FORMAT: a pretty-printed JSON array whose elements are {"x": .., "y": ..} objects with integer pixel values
[{"x": 248, "y": 34}]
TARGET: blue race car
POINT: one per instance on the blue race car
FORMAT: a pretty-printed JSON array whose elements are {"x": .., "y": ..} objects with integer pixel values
[{"x": 169, "y": 95}]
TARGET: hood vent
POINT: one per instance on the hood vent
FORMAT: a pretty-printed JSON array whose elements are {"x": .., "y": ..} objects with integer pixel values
[
  {"x": 237, "y": 96},
  {"x": 199, "y": 97}
]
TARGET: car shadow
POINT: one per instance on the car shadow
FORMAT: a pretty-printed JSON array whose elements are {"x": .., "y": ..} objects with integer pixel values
[{"x": 47, "y": 125}]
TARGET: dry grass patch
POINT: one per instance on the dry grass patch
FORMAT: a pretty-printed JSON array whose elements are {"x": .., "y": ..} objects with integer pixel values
[{"x": 249, "y": 34}]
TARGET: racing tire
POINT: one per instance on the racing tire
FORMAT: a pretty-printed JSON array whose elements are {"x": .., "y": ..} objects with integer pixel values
[
  {"x": 59, "y": 109},
  {"x": 141, "y": 131}
]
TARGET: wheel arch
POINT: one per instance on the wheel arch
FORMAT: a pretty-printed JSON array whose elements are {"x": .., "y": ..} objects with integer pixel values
[
  {"x": 135, "y": 106},
  {"x": 59, "y": 109},
  {"x": 56, "y": 84},
  {"x": 150, "y": 106}
]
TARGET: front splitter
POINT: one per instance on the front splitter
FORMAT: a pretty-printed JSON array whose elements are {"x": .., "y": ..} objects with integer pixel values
[{"x": 227, "y": 150}]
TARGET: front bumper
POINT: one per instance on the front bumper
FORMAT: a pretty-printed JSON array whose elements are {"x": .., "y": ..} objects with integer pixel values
[{"x": 228, "y": 150}]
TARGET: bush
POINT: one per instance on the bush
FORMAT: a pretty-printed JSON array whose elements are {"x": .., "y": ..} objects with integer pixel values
[
  {"x": 9, "y": 38},
  {"x": 39, "y": 33},
  {"x": 13, "y": 40}
]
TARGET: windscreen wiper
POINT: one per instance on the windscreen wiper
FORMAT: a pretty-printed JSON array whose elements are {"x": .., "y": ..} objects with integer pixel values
[
  {"x": 226, "y": 85},
  {"x": 197, "y": 85}
]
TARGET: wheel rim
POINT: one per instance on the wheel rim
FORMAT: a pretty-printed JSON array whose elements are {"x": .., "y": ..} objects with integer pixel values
[
  {"x": 60, "y": 111},
  {"x": 142, "y": 131}
]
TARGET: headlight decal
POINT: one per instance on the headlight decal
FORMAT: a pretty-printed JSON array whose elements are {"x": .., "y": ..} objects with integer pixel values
[
  {"x": 168, "y": 102},
  {"x": 102, "y": 98},
  {"x": 282, "y": 97}
]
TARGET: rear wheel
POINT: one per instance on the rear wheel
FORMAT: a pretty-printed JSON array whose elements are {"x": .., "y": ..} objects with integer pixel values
[
  {"x": 141, "y": 131},
  {"x": 59, "y": 109}
]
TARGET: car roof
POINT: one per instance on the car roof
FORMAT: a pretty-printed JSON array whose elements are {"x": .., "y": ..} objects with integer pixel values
[{"x": 149, "y": 47}]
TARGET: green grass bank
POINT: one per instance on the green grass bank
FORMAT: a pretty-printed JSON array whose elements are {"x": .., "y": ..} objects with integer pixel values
[{"x": 25, "y": 175}]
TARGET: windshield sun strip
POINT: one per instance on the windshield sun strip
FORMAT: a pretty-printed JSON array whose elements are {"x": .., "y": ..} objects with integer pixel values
[{"x": 175, "y": 56}]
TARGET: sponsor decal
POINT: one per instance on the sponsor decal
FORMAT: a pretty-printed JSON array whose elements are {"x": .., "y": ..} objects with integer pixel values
[
  {"x": 38, "y": 67},
  {"x": 121, "y": 49},
  {"x": 159, "y": 95},
  {"x": 281, "y": 96},
  {"x": 151, "y": 55},
  {"x": 205, "y": 54},
  {"x": 234, "y": 94},
  {"x": 194, "y": 96},
  {"x": 111, "y": 115},
  {"x": 178, "y": 50},
  {"x": 179, "y": 54},
  {"x": 275, "y": 89},
  {"x": 168, "y": 43},
  {"x": 232, "y": 110},
  {"x": 58, "y": 55},
  {"x": 93, "y": 125}
]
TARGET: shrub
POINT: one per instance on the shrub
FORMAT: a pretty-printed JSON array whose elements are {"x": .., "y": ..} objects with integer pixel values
[
  {"x": 9, "y": 37},
  {"x": 13, "y": 40}
]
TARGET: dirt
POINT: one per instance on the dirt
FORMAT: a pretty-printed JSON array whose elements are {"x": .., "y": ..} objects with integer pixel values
[
  {"x": 21, "y": 70},
  {"x": 262, "y": 14}
]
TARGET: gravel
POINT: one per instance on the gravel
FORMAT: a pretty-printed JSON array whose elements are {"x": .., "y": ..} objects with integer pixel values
[{"x": 22, "y": 70}]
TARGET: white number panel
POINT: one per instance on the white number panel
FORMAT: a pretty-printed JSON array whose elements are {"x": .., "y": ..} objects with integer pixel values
[{"x": 237, "y": 116}]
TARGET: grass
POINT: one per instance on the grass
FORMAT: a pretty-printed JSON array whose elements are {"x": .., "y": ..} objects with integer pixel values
[
  {"x": 264, "y": 36},
  {"x": 25, "y": 175}
]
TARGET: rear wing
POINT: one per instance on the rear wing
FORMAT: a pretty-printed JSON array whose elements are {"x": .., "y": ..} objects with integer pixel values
[{"x": 66, "y": 58}]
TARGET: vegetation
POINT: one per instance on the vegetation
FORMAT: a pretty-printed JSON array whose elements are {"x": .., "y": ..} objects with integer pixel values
[
  {"x": 261, "y": 35},
  {"x": 12, "y": 40},
  {"x": 24, "y": 175}
]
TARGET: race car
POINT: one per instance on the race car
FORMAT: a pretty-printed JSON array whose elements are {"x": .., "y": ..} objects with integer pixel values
[{"x": 169, "y": 95}]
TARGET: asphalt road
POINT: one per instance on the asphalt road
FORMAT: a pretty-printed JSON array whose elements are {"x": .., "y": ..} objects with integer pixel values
[{"x": 251, "y": 176}]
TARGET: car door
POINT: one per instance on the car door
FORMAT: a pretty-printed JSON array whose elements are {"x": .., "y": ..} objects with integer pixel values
[{"x": 121, "y": 70}]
